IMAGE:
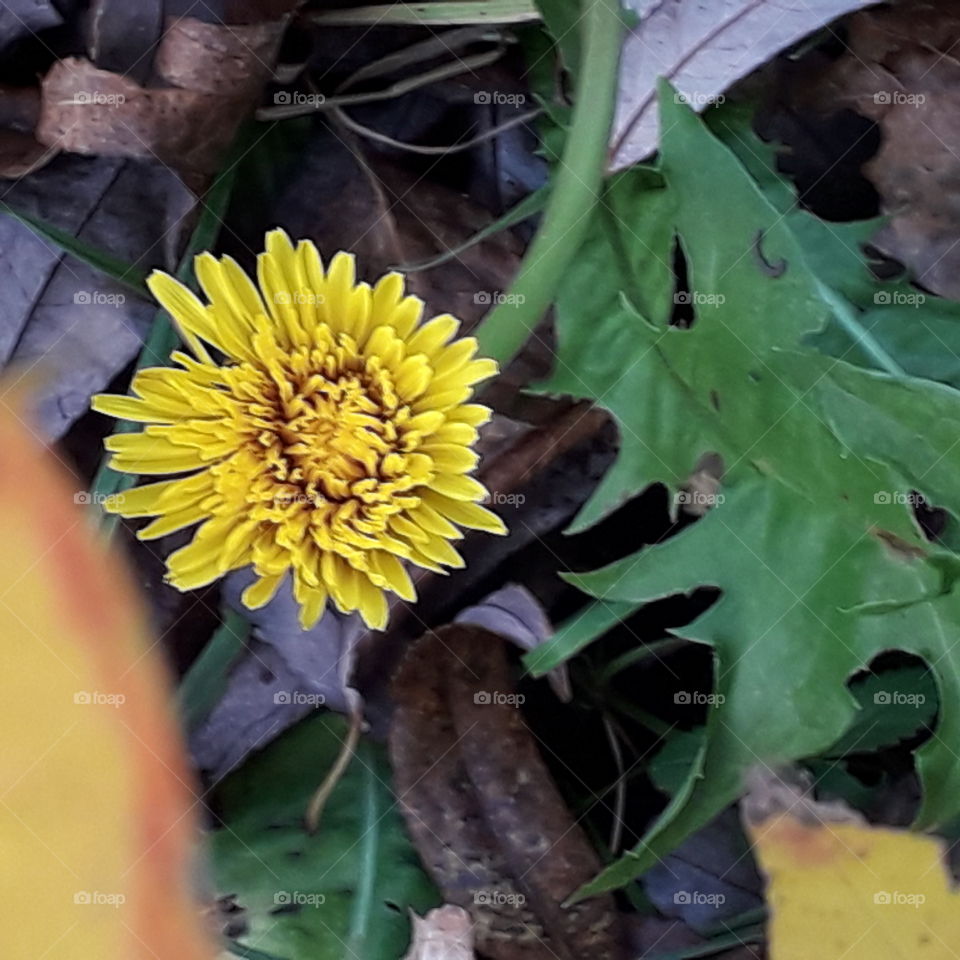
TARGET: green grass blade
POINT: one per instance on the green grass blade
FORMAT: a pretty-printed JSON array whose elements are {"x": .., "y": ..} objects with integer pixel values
[
  {"x": 458, "y": 12},
  {"x": 130, "y": 276},
  {"x": 531, "y": 204}
]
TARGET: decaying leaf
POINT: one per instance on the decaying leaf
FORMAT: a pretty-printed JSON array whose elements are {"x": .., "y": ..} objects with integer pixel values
[
  {"x": 481, "y": 806},
  {"x": 19, "y": 18},
  {"x": 68, "y": 324},
  {"x": 899, "y": 71},
  {"x": 96, "y": 823},
  {"x": 341, "y": 893},
  {"x": 709, "y": 879},
  {"x": 445, "y": 933},
  {"x": 867, "y": 891},
  {"x": 285, "y": 674},
  {"x": 515, "y": 614},
  {"x": 702, "y": 48},
  {"x": 213, "y": 74}
]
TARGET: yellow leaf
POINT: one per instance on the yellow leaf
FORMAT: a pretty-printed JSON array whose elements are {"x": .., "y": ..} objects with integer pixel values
[
  {"x": 94, "y": 791},
  {"x": 841, "y": 888}
]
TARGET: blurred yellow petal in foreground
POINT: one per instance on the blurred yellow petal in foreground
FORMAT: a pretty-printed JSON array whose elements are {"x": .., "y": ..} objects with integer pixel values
[
  {"x": 94, "y": 791},
  {"x": 838, "y": 887}
]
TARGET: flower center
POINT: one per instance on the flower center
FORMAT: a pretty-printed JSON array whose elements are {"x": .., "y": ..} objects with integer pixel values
[{"x": 339, "y": 445}]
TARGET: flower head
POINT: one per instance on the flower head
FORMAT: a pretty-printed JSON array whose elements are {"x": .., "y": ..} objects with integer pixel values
[{"x": 326, "y": 434}]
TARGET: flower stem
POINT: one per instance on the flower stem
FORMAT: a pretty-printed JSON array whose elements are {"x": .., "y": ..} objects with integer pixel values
[
  {"x": 204, "y": 683},
  {"x": 575, "y": 192}
]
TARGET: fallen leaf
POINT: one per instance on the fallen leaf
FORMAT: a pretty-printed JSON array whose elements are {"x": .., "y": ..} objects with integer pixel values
[
  {"x": 121, "y": 36},
  {"x": 96, "y": 822},
  {"x": 702, "y": 49},
  {"x": 867, "y": 891},
  {"x": 709, "y": 879},
  {"x": 285, "y": 674},
  {"x": 213, "y": 75},
  {"x": 342, "y": 893},
  {"x": 71, "y": 326},
  {"x": 445, "y": 933},
  {"x": 19, "y": 18},
  {"x": 482, "y": 808},
  {"x": 896, "y": 73},
  {"x": 515, "y": 614}
]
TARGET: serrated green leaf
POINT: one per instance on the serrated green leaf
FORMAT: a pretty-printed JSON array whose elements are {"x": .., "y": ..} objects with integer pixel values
[
  {"x": 920, "y": 330},
  {"x": 672, "y": 764},
  {"x": 341, "y": 894},
  {"x": 812, "y": 540},
  {"x": 894, "y": 705}
]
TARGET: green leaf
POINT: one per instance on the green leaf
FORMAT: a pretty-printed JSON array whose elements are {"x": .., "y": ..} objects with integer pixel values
[
  {"x": 671, "y": 766},
  {"x": 562, "y": 18},
  {"x": 894, "y": 705},
  {"x": 920, "y": 331},
  {"x": 131, "y": 276},
  {"x": 340, "y": 894},
  {"x": 812, "y": 540}
]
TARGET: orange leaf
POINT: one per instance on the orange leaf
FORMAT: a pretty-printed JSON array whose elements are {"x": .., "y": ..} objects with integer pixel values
[
  {"x": 839, "y": 887},
  {"x": 95, "y": 797}
]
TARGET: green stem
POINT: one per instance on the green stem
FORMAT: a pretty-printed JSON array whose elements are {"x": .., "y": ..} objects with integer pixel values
[
  {"x": 654, "y": 724},
  {"x": 634, "y": 656},
  {"x": 575, "y": 192},
  {"x": 205, "y": 682}
]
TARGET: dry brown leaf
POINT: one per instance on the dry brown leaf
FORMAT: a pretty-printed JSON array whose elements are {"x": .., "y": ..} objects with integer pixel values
[
  {"x": 445, "y": 933},
  {"x": 482, "y": 809},
  {"x": 901, "y": 71},
  {"x": 702, "y": 49},
  {"x": 215, "y": 73}
]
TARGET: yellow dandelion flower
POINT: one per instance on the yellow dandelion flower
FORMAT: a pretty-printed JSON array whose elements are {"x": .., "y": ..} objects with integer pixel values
[{"x": 327, "y": 434}]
